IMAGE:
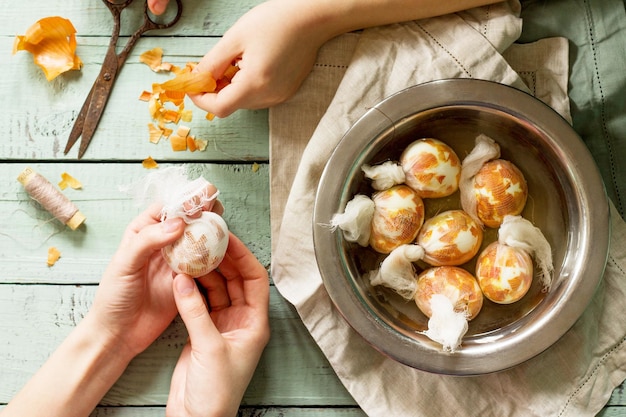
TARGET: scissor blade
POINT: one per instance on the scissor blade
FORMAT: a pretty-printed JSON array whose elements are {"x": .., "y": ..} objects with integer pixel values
[
  {"x": 94, "y": 113},
  {"x": 77, "y": 129}
]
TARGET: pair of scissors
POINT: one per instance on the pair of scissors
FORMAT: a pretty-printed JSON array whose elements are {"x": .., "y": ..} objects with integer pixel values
[{"x": 91, "y": 112}]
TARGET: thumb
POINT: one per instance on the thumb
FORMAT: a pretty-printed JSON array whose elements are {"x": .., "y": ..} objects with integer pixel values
[
  {"x": 137, "y": 247},
  {"x": 193, "y": 310}
]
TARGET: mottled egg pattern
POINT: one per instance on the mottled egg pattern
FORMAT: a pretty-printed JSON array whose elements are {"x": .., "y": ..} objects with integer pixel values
[
  {"x": 398, "y": 216},
  {"x": 431, "y": 168},
  {"x": 500, "y": 189},
  {"x": 450, "y": 238},
  {"x": 504, "y": 273},
  {"x": 458, "y": 285},
  {"x": 201, "y": 248}
]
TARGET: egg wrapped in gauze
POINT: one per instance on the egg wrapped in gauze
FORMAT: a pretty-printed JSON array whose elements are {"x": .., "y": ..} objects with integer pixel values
[
  {"x": 449, "y": 296},
  {"x": 201, "y": 248},
  {"x": 431, "y": 168},
  {"x": 491, "y": 188},
  {"x": 504, "y": 269},
  {"x": 205, "y": 238},
  {"x": 398, "y": 216},
  {"x": 450, "y": 238}
]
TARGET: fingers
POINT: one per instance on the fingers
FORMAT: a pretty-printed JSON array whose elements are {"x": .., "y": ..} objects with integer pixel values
[
  {"x": 226, "y": 101},
  {"x": 157, "y": 6},
  {"x": 206, "y": 200},
  {"x": 247, "y": 280},
  {"x": 145, "y": 235},
  {"x": 150, "y": 216},
  {"x": 219, "y": 58},
  {"x": 193, "y": 311},
  {"x": 217, "y": 294}
]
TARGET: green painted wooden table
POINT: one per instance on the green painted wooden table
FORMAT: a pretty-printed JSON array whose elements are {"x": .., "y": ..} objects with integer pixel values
[{"x": 39, "y": 305}]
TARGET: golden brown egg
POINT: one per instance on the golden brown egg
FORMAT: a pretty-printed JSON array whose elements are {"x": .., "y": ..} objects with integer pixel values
[
  {"x": 458, "y": 285},
  {"x": 398, "y": 216},
  {"x": 431, "y": 168},
  {"x": 450, "y": 238},
  {"x": 500, "y": 189},
  {"x": 504, "y": 273}
]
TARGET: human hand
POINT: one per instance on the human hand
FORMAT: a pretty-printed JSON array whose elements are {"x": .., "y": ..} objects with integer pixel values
[
  {"x": 274, "y": 51},
  {"x": 134, "y": 303},
  {"x": 157, "y": 6},
  {"x": 226, "y": 338}
]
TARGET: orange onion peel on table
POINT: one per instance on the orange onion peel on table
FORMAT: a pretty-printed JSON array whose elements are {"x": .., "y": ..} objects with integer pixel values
[
  {"x": 173, "y": 92},
  {"x": 52, "y": 42}
]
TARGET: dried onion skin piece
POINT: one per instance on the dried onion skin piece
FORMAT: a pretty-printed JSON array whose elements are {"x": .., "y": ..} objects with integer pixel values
[{"x": 52, "y": 42}]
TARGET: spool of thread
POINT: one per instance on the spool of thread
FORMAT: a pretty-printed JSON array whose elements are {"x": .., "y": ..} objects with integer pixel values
[{"x": 50, "y": 198}]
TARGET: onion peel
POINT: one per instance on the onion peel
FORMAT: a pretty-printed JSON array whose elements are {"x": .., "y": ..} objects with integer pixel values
[
  {"x": 154, "y": 59},
  {"x": 52, "y": 42},
  {"x": 53, "y": 255},
  {"x": 149, "y": 163},
  {"x": 191, "y": 83},
  {"x": 68, "y": 180}
]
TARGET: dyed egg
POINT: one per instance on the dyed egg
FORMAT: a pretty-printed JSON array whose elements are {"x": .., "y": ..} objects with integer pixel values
[
  {"x": 504, "y": 273},
  {"x": 398, "y": 216},
  {"x": 450, "y": 238},
  {"x": 455, "y": 283},
  {"x": 201, "y": 248},
  {"x": 431, "y": 168},
  {"x": 500, "y": 189}
]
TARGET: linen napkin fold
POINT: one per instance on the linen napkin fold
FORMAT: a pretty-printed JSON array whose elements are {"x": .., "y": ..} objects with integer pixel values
[{"x": 354, "y": 72}]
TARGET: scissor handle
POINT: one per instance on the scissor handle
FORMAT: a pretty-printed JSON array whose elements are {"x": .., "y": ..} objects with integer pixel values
[{"x": 150, "y": 24}]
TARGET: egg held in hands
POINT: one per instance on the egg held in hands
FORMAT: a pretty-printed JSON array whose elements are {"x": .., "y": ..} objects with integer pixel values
[{"x": 201, "y": 248}]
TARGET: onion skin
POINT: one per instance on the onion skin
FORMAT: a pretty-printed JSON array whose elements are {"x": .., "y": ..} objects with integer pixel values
[
  {"x": 431, "y": 168},
  {"x": 398, "y": 216},
  {"x": 504, "y": 273},
  {"x": 458, "y": 285},
  {"x": 450, "y": 238},
  {"x": 500, "y": 189}
]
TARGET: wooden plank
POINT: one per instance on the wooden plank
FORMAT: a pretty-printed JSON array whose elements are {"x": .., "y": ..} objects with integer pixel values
[
  {"x": 41, "y": 113},
  {"x": 27, "y": 230},
  {"x": 91, "y": 17},
  {"x": 34, "y": 319}
]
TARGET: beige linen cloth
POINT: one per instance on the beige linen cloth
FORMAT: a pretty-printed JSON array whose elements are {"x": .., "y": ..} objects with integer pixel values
[{"x": 576, "y": 376}]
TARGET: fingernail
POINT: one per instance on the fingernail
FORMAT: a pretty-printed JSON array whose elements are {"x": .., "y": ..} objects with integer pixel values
[
  {"x": 185, "y": 286},
  {"x": 171, "y": 225}
]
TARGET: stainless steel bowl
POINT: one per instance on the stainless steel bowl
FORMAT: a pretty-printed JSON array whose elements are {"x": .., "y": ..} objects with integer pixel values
[{"x": 567, "y": 201}]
